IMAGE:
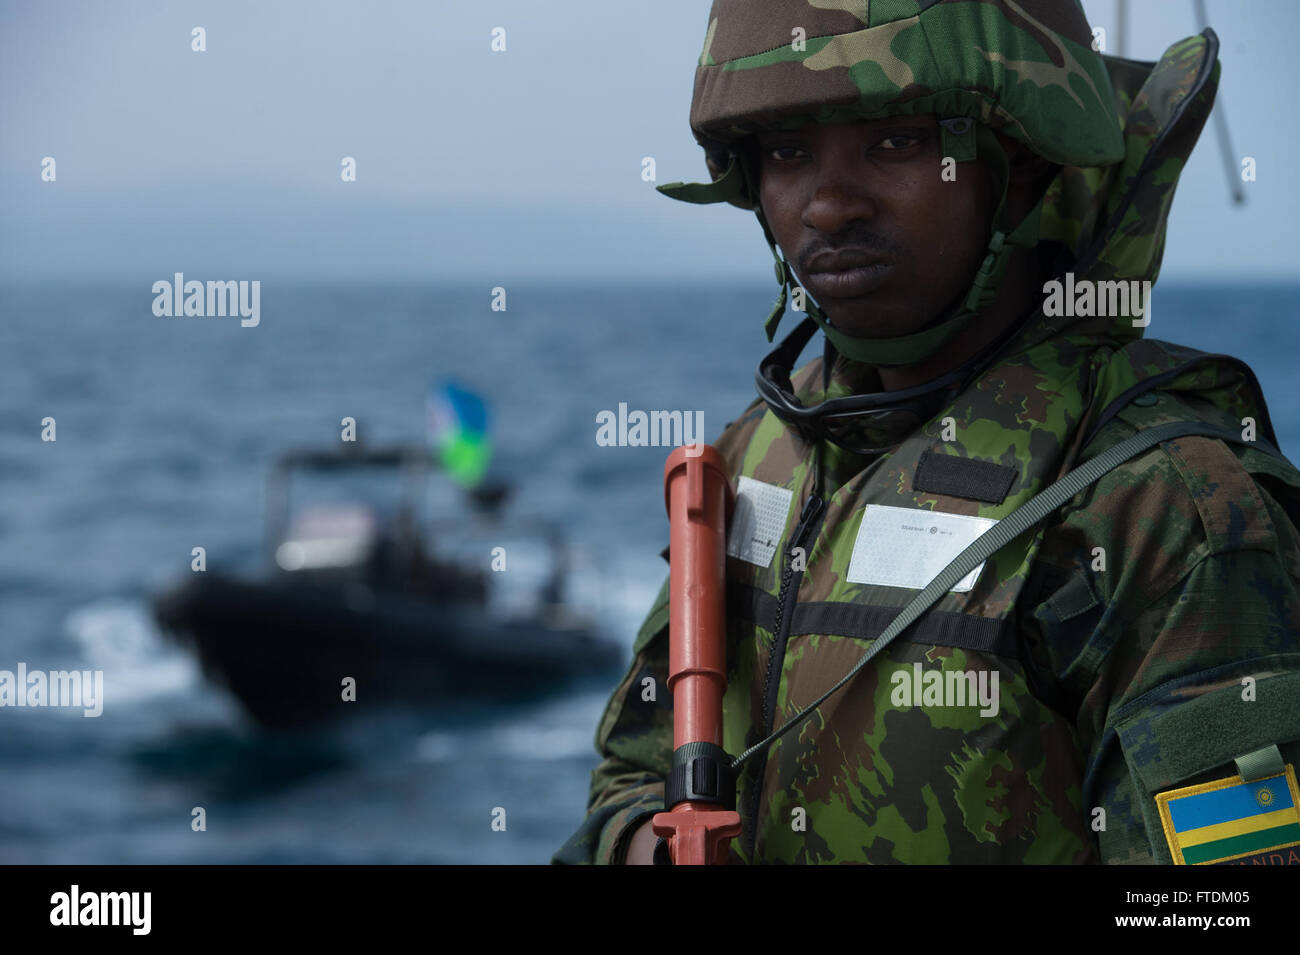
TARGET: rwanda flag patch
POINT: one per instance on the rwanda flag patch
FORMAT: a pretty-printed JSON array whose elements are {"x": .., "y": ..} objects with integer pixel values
[{"x": 1228, "y": 818}]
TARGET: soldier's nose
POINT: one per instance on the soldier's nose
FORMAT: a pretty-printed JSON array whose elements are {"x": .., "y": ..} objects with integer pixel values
[{"x": 835, "y": 203}]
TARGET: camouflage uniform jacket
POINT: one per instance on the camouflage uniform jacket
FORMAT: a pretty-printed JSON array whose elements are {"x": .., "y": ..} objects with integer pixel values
[
  {"x": 1120, "y": 629},
  {"x": 1114, "y": 683}
]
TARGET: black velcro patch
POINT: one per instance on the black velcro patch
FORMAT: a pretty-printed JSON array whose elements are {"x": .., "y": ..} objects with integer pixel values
[{"x": 962, "y": 477}]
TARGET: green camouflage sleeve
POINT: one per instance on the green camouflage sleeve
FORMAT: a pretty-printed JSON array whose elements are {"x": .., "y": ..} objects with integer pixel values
[
  {"x": 635, "y": 739},
  {"x": 1219, "y": 680},
  {"x": 1174, "y": 638}
]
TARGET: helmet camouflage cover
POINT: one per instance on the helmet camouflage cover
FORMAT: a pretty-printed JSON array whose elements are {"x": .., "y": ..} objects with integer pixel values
[{"x": 1024, "y": 67}]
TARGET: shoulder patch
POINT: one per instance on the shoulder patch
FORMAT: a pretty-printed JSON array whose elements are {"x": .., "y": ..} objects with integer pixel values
[{"x": 1228, "y": 820}]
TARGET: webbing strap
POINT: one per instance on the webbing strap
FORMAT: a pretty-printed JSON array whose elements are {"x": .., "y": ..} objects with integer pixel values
[{"x": 998, "y": 536}]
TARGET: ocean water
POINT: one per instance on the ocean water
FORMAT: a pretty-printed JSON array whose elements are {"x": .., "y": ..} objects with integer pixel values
[{"x": 165, "y": 429}]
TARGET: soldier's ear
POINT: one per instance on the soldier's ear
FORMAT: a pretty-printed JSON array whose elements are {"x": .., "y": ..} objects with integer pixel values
[
  {"x": 1027, "y": 167},
  {"x": 1030, "y": 173}
]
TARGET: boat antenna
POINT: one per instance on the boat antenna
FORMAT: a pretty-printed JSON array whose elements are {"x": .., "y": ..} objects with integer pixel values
[{"x": 1221, "y": 128}]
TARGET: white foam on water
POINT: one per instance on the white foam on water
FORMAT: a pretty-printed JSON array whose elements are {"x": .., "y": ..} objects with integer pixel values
[
  {"x": 523, "y": 742},
  {"x": 440, "y": 747},
  {"x": 618, "y": 592},
  {"x": 555, "y": 730},
  {"x": 119, "y": 637}
]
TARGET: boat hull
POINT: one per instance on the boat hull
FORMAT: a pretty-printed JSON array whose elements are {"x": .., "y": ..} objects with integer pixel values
[{"x": 287, "y": 649}]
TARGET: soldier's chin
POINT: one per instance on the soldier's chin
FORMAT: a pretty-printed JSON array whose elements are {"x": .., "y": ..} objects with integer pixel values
[
  {"x": 869, "y": 317},
  {"x": 880, "y": 316}
]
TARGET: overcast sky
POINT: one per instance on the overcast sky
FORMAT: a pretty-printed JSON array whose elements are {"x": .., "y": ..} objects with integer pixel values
[{"x": 472, "y": 164}]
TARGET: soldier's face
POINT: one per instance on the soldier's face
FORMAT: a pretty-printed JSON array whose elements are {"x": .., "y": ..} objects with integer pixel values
[{"x": 882, "y": 240}]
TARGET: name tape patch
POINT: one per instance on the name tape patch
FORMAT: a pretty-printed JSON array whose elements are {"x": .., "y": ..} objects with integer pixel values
[
  {"x": 758, "y": 521},
  {"x": 907, "y": 547}
]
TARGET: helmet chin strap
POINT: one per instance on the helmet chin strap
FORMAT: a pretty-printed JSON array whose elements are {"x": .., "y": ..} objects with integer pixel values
[{"x": 909, "y": 349}]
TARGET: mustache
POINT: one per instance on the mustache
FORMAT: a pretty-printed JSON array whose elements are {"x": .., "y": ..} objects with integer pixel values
[{"x": 857, "y": 239}]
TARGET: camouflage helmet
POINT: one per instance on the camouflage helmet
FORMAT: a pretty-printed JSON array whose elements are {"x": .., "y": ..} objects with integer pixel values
[{"x": 1024, "y": 67}]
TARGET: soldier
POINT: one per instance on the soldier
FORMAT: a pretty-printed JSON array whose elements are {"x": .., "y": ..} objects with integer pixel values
[{"x": 972, "y": 203}]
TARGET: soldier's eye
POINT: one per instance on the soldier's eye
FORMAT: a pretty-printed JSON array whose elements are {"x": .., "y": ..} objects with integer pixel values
[
  {"x": 897, "y": 141},
  {"x": 771, "y": 152}
]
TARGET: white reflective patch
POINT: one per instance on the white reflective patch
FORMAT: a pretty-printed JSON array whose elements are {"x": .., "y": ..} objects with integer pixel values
[
  {"x": 907, "y": 547},
  {"x": 758, "y": 521}
]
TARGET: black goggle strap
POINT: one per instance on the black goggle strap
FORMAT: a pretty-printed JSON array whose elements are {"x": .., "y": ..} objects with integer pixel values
[
  {"x": 781, "y": 359},
  {"x": 775, "y": 387}
]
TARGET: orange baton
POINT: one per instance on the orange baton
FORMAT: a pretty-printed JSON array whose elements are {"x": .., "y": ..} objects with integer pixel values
[{"x": 700, "y": 790}]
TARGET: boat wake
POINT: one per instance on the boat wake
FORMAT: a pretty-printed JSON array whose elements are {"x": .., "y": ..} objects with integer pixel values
[
  {"x": 118, "y": 636},
  {"x": 549, "y": 732}
]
